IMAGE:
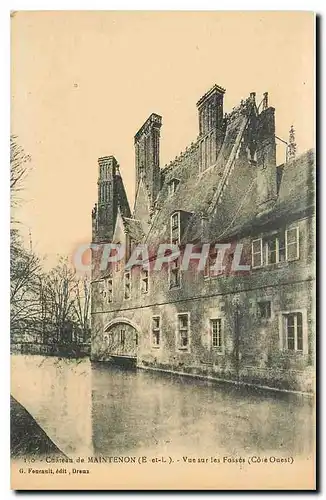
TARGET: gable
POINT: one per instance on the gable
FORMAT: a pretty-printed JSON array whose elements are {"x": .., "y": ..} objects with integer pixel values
[
  {"x": 119, "y": 230},
  {"x": 142, "y": 207}
]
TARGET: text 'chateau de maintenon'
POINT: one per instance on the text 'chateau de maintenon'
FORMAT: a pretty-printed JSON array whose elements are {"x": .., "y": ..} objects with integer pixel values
[{"x": 255, "y": 327}]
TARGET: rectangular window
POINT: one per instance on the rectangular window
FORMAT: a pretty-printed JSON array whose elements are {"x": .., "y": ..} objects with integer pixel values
[
  {"x": 109, "y": 287},
  {"x": 183, "y": 331},
  {"x": 173, "y": 185},
  {"x": 281, "y": 248},
  {"x": 293, "y": 331},
  {"x": 103, "y": 290},
  {"x": 216, "y": 333},
  {"x": 175, "y": 221},
  {"x": 264, "y": 309},
  {"x": 257, "y": 253},
  {"x": 156, "y": 331},
  {"x": 175, "y": 228},
  {"x": 292, "y": 243},
  {"x": 144, "y": 281},
  {"x": 175, "y": 281},
  {"x": 127, "y": 285},
  {"x": 272, "y": 245}
]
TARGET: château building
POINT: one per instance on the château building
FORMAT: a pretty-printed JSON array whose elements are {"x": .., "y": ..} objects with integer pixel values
[{"x": 255, "y": 327}]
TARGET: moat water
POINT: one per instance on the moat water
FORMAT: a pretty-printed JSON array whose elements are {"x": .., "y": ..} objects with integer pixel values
[{"x": 97, "y": 409}]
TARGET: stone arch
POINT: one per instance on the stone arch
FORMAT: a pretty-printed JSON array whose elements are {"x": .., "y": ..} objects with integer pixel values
[
  {"x": 121, "y": 320},
  {"x": 121, "y": 337}
]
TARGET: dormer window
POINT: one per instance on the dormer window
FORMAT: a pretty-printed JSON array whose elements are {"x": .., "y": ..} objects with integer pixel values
[{"x": 173, "y": 186}]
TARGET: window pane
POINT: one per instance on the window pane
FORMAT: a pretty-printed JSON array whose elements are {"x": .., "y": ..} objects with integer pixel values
[
  {"x": 256, "y": 246},
  {"x": 291, "y": 236},
  {"x": 256, "y": 260},
  {"x": 156, "y": 322},
  {"x": 175, "y": 221},
  {"x": 281, "y": 255},
  {"x": 184, "y": 341},
  {"x": 292, "y": 244},
  {"x": 216, "y": 333},
  {"x": 175, "y": 278},
  {"x": 264, "y": 309},
  {"x": 292, "y": 253},
  {"x": 183, "y": 321},
  {"x": 299, "y": 332},
  {"x": 271, "y": 250},
  {"x": 290, "y": 332},
  {"x": 299, "y": 319},
  {"x": 299, "y": 339},
  {"x": 291, "y": 344},
  {"x": 183, "y": 330},
  {"x": 290, "y": 320}
]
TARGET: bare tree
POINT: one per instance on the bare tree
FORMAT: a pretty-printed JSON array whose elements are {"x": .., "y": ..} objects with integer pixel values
[
  {"x": 25, "y": 269},
  {"x": 59, "y": 298},
  {"x": 19, "y": 167},
  {"x": 82, "y": 306},
  {"x": 25, "y": 266}
]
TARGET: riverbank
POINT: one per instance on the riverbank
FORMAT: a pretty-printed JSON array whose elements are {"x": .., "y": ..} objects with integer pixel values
[
  {"x": 27, "y": 438},
  {"x": 60, "y": 350}
]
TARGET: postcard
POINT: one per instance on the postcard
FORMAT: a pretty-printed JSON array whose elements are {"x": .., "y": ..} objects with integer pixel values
[{"x": 163, "y": 240}]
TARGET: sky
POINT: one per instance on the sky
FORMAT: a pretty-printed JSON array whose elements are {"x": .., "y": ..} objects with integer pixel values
[{"x": 83, "y": 82}]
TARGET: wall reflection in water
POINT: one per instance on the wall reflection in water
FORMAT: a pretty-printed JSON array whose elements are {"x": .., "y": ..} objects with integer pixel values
[
  {"x": 89, "y": 409},
  {"x": 134, "y": 412}
]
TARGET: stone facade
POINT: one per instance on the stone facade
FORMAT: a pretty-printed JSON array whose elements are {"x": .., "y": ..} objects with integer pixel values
[{"x": 256, "y": 326}]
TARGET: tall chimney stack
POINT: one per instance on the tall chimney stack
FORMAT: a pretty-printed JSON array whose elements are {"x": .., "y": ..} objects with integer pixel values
[{"x": 210, "y": 116}]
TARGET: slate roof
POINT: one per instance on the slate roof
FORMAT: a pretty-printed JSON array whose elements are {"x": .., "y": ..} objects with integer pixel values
[
  {"x": 222, "y": 201},
  {"x": 296, "y": 199},
  {"x": 133, "y": 227},
  {"x": 122, "y": 196},
  {"x": 197, "y": 191}
]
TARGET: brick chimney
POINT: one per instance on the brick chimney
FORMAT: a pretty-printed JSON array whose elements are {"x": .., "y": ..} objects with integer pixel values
[
  {"x": 266, "y": 157},
  {"x": 147, "y": 151},
  {"x": 211, "y": 132},
  {"x": 106, "y": 210}
]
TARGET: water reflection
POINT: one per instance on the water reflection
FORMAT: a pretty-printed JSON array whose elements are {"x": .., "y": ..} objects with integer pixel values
[
  {"x": 96, "y": 409},
  {"x": 136, "y": 411}
]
